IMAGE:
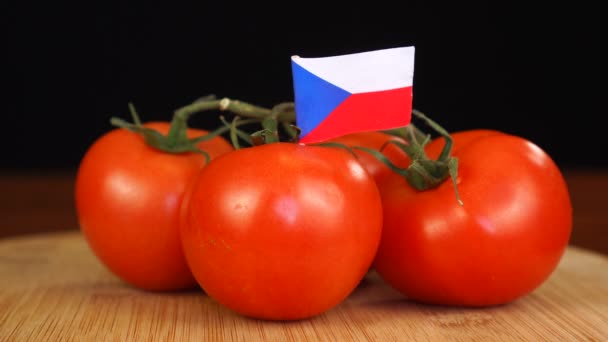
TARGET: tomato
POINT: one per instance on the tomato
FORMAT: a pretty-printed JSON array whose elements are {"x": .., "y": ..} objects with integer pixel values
[
  {"x": 128, "y": 196},
  {"x": 375, "y": 140},
  {"x": 502, "y": 243},
  {"x": 282, "y": 231}
]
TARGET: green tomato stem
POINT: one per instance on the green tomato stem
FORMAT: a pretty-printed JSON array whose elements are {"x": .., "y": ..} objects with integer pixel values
[
  {"x": 447, "y": 148},
  {"x": 422, "y": 173}
]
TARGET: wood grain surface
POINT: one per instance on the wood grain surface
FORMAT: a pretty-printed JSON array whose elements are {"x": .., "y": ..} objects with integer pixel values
[{"x": 52, "y": 288}]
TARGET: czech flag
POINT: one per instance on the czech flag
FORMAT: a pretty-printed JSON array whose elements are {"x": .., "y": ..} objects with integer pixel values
[{"x": 344, "y": 94}]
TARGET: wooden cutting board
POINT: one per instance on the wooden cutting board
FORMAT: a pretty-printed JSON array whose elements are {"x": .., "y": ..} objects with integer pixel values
[{"x": 52, "y": 288}]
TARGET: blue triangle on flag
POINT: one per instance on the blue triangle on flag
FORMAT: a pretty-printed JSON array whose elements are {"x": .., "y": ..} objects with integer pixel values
[{"x": 315, "y": 98}]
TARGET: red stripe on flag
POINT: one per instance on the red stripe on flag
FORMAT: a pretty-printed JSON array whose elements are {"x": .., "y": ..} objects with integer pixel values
[{"x": 373, "y": 111}]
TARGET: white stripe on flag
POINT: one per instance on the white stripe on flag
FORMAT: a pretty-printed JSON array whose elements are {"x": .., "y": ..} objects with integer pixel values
[{"x": 365, "y": 71}]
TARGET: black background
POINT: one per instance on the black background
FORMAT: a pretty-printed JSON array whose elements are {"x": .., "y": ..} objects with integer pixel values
[{"x": 530, "y": 71}]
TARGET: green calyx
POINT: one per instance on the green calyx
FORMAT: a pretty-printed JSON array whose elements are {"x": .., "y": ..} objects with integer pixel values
[
  {"x": 176, "y": 141},
  {"x": 423, "y": 173}
]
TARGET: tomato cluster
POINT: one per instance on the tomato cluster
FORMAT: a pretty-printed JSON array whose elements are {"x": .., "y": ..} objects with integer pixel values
[{"x": 286, "y": 231}]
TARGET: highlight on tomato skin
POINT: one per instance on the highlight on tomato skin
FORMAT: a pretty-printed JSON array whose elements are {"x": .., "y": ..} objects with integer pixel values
[
  {"x": 500, "y": 245},
  {"x": 281, "y": 231},
  {"x": 128, "y": 196}
]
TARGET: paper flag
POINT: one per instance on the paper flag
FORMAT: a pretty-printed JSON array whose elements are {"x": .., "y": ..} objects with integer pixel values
[{"x": 357, "y": 92}]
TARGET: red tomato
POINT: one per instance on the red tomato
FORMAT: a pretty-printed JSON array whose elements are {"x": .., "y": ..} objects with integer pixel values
[
  {"x": 505, "y": 240},
  {"x": 128, "y": 196},
  {"x": 282, "y": 231},
  {"x": 375, "y": 140}
]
